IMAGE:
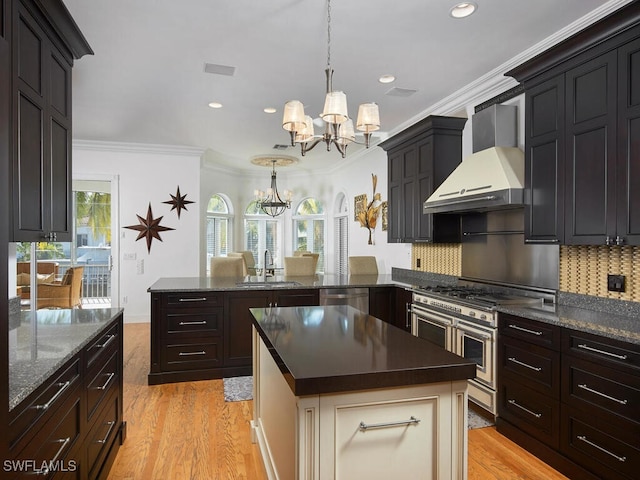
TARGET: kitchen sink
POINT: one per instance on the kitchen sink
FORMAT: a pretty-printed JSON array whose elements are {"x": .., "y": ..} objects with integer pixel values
[{"x": 274, "y": 284}]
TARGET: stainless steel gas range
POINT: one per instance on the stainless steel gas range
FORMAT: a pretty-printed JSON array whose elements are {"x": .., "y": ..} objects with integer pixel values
[{"x": 463, "y": 320}]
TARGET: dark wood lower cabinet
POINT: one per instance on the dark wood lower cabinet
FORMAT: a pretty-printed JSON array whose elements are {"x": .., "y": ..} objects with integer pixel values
[
  {"x": 570, "y": 398},
  {"x": 72, "y": 426},
  {"x": 391, "y": 304},
  {"x": 206, "y": 335}
]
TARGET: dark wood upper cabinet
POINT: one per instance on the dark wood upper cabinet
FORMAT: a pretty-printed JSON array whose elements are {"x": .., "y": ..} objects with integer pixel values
[
  {"x": 420, "y": 158},
  {"x": 44, "y": 42},
  {"x": 582, "y": 125}
]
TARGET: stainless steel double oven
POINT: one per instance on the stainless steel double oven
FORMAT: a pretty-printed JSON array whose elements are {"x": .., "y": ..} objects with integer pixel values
[{"x": 470, "y": 332}]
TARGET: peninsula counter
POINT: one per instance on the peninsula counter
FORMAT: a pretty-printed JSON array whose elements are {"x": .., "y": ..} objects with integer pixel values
[{"x": 339, "y": 394}]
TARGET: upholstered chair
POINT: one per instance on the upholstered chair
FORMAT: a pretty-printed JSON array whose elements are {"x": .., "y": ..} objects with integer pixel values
[
  {"x": 249, "y": 261},
  {"x": 299, "y": 266},
  {"x": 64, "y": 294},
  {"x": 315, "y": 257},
  {"x": 300, "y": 253},
  {"x": 363, "y": 265},
  {"x": 227, "y": 267}
]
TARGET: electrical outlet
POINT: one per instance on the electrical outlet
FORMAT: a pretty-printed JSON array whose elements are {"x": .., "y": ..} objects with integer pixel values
[
  {"x": 615, "y": 283},
  {"x": 417, "y": 263}
]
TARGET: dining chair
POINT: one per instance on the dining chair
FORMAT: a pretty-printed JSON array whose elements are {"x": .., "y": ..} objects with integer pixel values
[
  {"x": 299, "y": 266},
  {"x": 226, "y": 267},
  {"x": 363, "y": 265}
]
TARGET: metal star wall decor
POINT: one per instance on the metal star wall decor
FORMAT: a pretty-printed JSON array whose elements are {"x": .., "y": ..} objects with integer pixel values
[
  {"x": 149, "y": 228},
  {"x": 178, "y": 201}
]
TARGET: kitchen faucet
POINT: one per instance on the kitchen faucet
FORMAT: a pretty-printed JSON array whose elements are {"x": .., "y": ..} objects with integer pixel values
[{"x": 267, "y": 253}]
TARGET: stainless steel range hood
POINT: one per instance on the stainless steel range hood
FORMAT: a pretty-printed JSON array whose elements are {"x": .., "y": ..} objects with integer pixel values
[{"x": 492, "y": 178}]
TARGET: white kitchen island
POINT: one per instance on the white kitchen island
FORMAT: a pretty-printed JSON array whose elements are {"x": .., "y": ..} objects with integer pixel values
[{"x": 341, "y": 395}]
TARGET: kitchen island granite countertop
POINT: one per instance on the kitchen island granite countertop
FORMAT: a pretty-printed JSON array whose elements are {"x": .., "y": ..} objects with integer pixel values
[{"x": 45, "y": 340}]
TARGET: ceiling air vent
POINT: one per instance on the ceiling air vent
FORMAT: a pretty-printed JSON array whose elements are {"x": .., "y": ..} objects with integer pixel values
[
  {"x": 219, "y": 69},
  {"x": 400, "y": 92},
  {"x": 279, "y": 146}
]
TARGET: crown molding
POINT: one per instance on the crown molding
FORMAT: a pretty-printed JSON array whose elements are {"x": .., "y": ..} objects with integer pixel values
[{"x": 124, "y": 147}]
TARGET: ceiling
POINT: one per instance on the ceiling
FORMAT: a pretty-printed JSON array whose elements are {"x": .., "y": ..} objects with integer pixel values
[{"x": 146, "y": 82}]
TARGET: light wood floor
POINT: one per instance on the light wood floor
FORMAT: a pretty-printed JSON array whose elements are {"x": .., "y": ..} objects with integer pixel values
[{"x": 186, "y": 431}]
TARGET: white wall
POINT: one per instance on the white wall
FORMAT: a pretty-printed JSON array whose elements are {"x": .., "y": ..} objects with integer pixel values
[{"x": 148, "y": 176}]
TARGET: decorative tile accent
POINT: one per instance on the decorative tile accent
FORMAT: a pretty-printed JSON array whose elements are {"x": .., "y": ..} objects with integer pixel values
[
  {"x": 584, "y": 270},
  {"x": 443, "y": 258}
]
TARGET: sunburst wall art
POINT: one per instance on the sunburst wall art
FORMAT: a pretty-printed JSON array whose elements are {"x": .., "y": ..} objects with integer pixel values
[{"x": 149, "y": 228}]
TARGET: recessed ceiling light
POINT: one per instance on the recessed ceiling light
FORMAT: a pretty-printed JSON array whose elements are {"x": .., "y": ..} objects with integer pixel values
[
  {"x": 215, "y": 105},
  {"x": 269, "y": 110},
  {"x": 462, "y": 10},
  {"x": 386, "y": 79}
]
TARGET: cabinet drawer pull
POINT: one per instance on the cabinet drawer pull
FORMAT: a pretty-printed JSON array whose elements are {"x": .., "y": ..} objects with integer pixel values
[
  {"x": 525, "y": 330},
  {"x": 45, "y": 471},
  {"x": 63, "y": 387},
  {"x": 604, "y": 450},
  {"x": 104, "y": 440},
  {"x": 106, "y": 384},
  {"x": 200, "y": 299},
  {"x": 109, "y": 340},
  {"x": 202, "y": 322},
  {"x": 516, "y": 404},
  {"x": 412, "y": 421},
  {"x": 608, "y": 397},
  {"x": 515, "y": 360},
  {"x": 187, "y": 354},
  {"x": 596, "y": 350}
]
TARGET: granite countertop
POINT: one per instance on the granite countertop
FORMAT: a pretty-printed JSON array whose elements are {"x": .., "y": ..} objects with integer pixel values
[
  {"x": 619, "y": 326},
  {"x": 334, "y": 349},
  {"x": 45, "y": 340},
  {"x": 202, "y": 284}
]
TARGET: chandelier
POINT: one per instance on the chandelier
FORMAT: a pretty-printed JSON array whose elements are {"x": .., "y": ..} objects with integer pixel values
[
  {"x": 270, "y": 201},
  {"x": 338, "y": 126}
]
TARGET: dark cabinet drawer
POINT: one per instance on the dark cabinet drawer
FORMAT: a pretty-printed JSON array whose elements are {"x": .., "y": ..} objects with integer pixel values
[
  {"x": 534, "y": 413},
  {"x": 188, "y": 322},
  {"x": 593, "y": 387},
  {"x": 98, "y": 351},
  {"x": 102, "y": 434},
  {"x": 50, "y": 396},
  {"x": 532, "y": 331},
  {"x": 193, "y": 300},
  {"x": 605, "y": 351},
  {"x": 606, "y": 445},
  {"x": 192, "y": 356},
  {"x": 101, "y": 382},
  {"x": 532, "y": 365},
  {"x": 54, "y": 441}
]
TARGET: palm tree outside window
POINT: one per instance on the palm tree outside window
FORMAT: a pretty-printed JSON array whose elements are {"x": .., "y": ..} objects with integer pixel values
[{"x": 308, "y": 229}]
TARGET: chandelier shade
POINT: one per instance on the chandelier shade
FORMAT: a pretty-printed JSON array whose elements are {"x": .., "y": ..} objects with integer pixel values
[{"x": 339, "y": 129}]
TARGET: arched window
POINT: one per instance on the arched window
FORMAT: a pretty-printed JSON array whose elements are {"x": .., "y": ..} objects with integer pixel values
[
  {"x": 218, "y": 227},
  {"x": 262, "y": 232},
  {"x": 341, "y": 235},
  {"x": 308, "y": 228}
]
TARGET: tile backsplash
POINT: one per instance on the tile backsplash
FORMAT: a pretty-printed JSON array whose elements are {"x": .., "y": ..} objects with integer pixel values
[{"x": 583, "y": 269}]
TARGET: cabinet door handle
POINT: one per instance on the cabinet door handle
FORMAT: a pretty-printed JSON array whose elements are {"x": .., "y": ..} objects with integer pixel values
[
  {"x": 604, "y": 395},
  {"x": 106, "y": 384},
  {"x": 525, "y": 330},
  {"x": 541, "y": 240},
  {"x": 597, "y": 350},
  {"x": 619, "y": 240},
  {"x": 200, "y": 299},
  {"x": 412, "y": 421},
  {"x": 531, "y": 367},
  {"x": 104, "y": 440},
  {"x": 604, "y": 450},
  {"x": 407, "y": 316},
  {"x": 63, "y": 387},
  {"x": 201, "y": 322},
  {"x": 608, "y": 240},
  {"x": 516, "y": 404},
  {"x": 188, "y": 354},
  {"x": 45, "y": 471},
  {"x": 109, "y": 340}
]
